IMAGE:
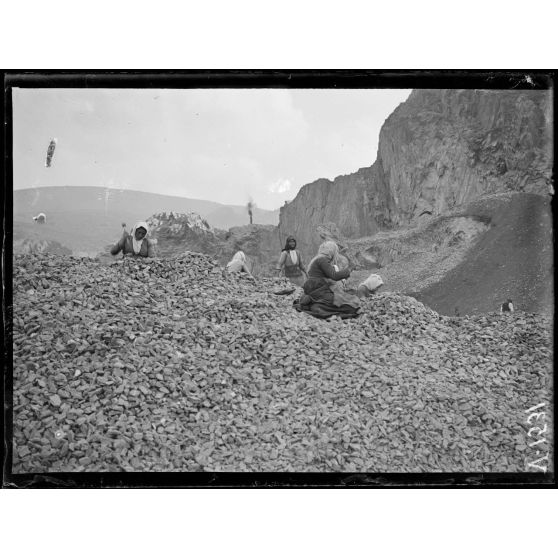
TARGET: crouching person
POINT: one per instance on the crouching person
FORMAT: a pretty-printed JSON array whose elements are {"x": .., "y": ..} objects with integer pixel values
[
  {"x": 135, "y": 244},
  {"x": 239, "y": 264},
  {"x": 370, "y": 286}
]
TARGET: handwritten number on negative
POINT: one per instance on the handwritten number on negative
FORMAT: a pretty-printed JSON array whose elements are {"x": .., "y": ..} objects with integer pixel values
[
  {"x": 535, "y": 407},
  {"x": 541, "y": 431},
  {"x": 536, "y": 415},
  {"x": 536, "y": 466},
  {"x": 537, "y": 442}
]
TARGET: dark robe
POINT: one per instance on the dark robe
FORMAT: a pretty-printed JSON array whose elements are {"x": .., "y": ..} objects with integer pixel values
[{"x": 319, "y": 300}]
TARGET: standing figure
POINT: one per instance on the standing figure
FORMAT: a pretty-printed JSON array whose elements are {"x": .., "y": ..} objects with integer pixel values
[
  {"x": 135, "y": 244},
  {"x": 292, "y": 264},
  {"x": 250, "y": 207},
  {"x": 506, "y": 306}
]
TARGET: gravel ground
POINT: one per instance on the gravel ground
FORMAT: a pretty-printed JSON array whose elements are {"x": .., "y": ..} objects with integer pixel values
[{"x": 174, "y": 366}]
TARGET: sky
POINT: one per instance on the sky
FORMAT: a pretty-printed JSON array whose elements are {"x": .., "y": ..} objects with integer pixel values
[{"x": 223, "y": 145}]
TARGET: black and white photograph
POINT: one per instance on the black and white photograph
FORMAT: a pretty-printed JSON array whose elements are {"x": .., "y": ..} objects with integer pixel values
[{"x": 313, "y": 274}]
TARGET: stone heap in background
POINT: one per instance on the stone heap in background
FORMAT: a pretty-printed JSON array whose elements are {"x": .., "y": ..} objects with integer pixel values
[
  {"x": 179, "y": 232},
  {"x": 175, "y": 232},
  {"x": 171, "y": 365},
  {"x": 39, "y": 246}
]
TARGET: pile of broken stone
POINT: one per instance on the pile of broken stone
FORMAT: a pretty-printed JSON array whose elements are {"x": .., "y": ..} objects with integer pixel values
[{"x": 175, "y": 365}]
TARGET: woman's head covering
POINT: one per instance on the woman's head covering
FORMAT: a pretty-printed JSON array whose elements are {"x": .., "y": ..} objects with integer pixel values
[
  {"x": 287, "y": 247},
  {"x": 136, "y": 244},
  {"x": 328, "y": 249},
  {"x": 238, "y": 258}
]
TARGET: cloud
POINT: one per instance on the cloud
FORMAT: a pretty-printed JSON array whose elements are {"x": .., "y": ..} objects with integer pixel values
[{"x": 280, "y": 186}]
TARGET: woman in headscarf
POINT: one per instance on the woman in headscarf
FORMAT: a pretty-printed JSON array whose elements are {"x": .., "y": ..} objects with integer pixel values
[
  {"x": 292, "y": 264},
  {"x": 321, "y": 299},
  {"x": 239, "y": 264},
  {"x": 369, "y": 286},
  {"x": 135, "y": 244}
]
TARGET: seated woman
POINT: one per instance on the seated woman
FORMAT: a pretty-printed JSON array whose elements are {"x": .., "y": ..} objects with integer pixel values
[
  {"x": 321, "y": 299},
  {"x": 135, "y": 244},
  {"x": 239, "y": 264}
]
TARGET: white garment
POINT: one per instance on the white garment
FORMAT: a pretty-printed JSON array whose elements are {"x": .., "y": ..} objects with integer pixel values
[
  {"x": 373, "y": 282},
  {"x": 510, "y": 306},
  {"x": 293, "y": 255},
  {"x": 136, "y": 244},
  {"x": 238, "y": 262}
]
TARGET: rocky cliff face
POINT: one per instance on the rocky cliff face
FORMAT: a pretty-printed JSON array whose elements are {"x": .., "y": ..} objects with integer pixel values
[
  {"x": 342, "y": 202},
  {"x": 438, "y": 150}
]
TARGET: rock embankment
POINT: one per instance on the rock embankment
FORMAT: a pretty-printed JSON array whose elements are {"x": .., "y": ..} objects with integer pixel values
[{"x": 171, "y": 365}]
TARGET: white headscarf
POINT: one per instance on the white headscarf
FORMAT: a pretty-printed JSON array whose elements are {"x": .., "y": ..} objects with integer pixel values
[
  {"x": 238, "y": 258},
  {"x": 136, "y": 244},
  {"x": 328, "y": 249}
]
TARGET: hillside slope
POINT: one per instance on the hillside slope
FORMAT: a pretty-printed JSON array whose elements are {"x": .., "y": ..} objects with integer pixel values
[
  {"x": 512, "y": 259},
  {"x": 85, "y": 219}
]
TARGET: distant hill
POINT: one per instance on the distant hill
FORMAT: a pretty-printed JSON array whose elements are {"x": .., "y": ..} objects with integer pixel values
[{"x": 85, "y": 219}]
